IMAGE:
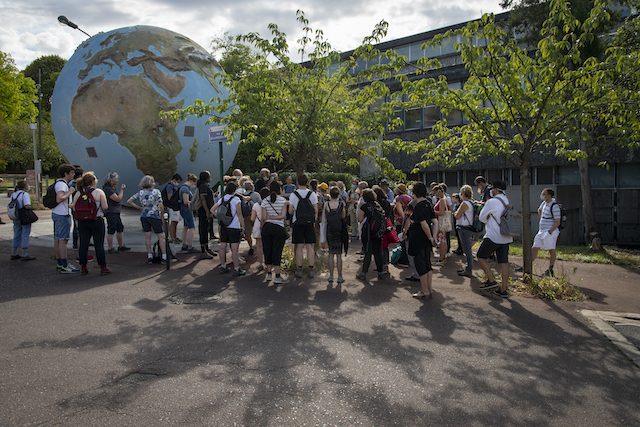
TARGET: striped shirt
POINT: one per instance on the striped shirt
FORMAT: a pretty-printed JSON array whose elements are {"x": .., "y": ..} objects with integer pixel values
[
  {"x": 547, "y": 220},
  {"x": 274, "y": 209}
]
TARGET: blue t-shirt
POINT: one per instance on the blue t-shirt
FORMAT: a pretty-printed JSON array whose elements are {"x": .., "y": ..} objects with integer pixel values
[{"x": 184, "y": 189}]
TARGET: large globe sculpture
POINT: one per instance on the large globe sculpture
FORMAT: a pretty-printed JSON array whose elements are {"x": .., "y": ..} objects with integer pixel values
[{"x": 107, "y": 99}]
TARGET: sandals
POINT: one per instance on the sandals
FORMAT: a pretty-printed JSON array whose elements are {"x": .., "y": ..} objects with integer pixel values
[{"x": 423, "y": 295}]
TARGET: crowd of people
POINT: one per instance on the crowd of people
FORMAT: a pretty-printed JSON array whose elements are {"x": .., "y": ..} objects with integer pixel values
[{"x": 407, "y": 226}]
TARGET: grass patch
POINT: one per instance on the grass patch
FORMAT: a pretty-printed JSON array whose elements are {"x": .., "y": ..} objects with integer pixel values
[
  {"x": 549, "y": 288},
  {"x": 611, "y": 254}
]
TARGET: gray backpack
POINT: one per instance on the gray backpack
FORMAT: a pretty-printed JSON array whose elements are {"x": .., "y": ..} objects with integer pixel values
[{"x": 505, "y": 230}]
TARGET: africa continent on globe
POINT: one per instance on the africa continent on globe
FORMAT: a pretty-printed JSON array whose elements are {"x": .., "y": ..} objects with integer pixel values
[{"x": 107, "y": 100}]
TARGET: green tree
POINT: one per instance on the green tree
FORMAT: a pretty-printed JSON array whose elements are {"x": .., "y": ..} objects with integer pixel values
[
  {"x": 50, "y": 67},
  {"x": 18, "y": 152},
  {"x": 17, "y": 93},
  {"x": 516, "y": 103},
  {"x": 528, "y": 18},
  {"x": 301, "y": 114}
]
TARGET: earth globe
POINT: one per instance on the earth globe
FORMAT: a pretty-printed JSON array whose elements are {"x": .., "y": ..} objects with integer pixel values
[{"x": 107, "y": 99}]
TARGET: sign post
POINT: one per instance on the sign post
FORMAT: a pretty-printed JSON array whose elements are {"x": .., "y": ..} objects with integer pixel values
[{"x": 216, "y": 134}]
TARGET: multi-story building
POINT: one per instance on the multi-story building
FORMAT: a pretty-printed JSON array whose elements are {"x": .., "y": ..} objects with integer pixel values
[{"x": 616, "y": 190}]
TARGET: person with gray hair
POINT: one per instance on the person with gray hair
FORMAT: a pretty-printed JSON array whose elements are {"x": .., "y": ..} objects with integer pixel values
[
  {"x": 112, "y": 213},
  {"x": 150, "y": 204}
]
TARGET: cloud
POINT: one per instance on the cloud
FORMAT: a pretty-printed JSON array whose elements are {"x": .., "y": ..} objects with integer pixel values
[{"x": 30, "y": 29}]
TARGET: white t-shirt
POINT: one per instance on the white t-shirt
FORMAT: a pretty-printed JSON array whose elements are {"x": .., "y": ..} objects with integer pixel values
[
  {"x": 493, "y": 207},
  {"x": 62, "y": 208},
  {"x": 256, "y": 224},
  {"x": 234, "y": 204},
  {"x": 293, "y": 199},
  {"x": 22, "y": 198}
]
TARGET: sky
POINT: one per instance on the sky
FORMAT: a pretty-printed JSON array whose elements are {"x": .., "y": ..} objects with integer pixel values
[{"x": 30, "y": 28}]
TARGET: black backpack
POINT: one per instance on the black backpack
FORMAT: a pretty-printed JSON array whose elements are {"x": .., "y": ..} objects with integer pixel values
[
  {"x": 563, "y": 215},
  {"x": 174, "y": 201},
  {"x": 49, "y": 199},
  {"x": 334, "y": 219},
  {"x": 223, "y": 213},
  {"x": 377, "y": 222},
  {"x": 305, "y": 214},
  {"x": 246, "y": 205}
]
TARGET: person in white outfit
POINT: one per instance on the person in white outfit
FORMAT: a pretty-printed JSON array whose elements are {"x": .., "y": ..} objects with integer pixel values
[{"x": 548, "y": 231}]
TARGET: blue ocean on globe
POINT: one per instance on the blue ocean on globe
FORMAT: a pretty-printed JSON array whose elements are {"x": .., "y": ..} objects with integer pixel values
[{"x": 107, "y": 100}]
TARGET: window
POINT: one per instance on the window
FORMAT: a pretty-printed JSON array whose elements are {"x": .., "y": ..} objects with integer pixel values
[
  {"x": 416, "y": 52},
  {"x": 602, "y": 178},
  {"x": 470, "y": 176},
  {"x": 454, "y": 118},
  {"x": 412, "y": 119},
  {"x": 515, "y": 176},
  {"x": 432, "y": 51},
  {"x": 361, "y": 65},
  {"x": 431, "y": 116},
  {"x": 451, "y": 179},
  {"x": 544, "y": 176},
  {"x": 404, "y": 51},
  {"x": 494, "y": 175},
  {"x": 569, "y": 175},
  {"x": 431, "y": 177},
  {"x": 447, "y": 45},
  {"x": 629, "y": 176}
]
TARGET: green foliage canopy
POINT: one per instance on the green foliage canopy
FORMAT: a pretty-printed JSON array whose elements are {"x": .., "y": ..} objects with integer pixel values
[
  {"x": 17, "y": 93},
  {"x": 301, "y": 114}
]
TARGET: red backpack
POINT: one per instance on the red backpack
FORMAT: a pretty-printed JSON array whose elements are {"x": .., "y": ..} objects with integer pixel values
[{"x": 86, "y": 208}]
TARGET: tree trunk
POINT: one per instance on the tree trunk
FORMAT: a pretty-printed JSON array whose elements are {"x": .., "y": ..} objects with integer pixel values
[
  {"x": 525, "y": 201},
  {"x": 591, "y": 235}
]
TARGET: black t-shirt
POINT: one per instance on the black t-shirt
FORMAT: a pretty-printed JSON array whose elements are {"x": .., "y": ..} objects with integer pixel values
[
  {"x": 423, "y": 211},
  {"x": 203, "y": 189},
  {"x": 386, "y": 207},
  {"x": 259, "y": 185}
]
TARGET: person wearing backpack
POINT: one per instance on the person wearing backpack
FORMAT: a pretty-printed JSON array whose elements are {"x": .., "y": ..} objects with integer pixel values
[
  {"x": 464, "y": 225},
  {"x": 94, "y": 227},
  {"x": 172, "y": 202},
  {"x": 373, "y": 219},
  {"x": 422, "y": 225},
  {"x": 112, "y": 213},
  {"x": 333, "y": 216},
  {"x": 230, "y": 232},
  {"x": 304, "y": 209},
  {"x": 493, "y": 241},
  {"x": 189, "y": 227},
  {"x": 61, "y": 216},
  {"x": 550, "y": 214},
  {"x": 21, "y": 232},
  {"x": 151, "y": 212}
]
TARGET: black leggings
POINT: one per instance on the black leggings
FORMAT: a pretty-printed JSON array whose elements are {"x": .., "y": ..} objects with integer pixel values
[
  {"x": 203, "y": 227},
  {"x": 373, "y": 247},
  {"x": 87, "y": 230},
  {"x": 273, "y": 239}
]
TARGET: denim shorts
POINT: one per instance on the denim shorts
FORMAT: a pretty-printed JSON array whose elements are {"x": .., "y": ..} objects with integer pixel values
[
  {"x": 187, "y": 217},
  {"x": 61, "y": 226}
]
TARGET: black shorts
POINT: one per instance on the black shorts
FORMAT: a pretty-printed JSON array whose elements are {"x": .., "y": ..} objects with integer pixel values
[
  {"x": 422, "y": 261},
  {"x": 303, "y": 233},
  {"x": 114, "y": 223},
  {"x": 487, "y": 247},
  {"x": 152, "y": 223},
  {"x": 229, "y": 235}
]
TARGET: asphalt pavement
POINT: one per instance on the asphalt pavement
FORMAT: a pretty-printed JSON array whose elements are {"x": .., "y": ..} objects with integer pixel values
[{"x": 128, "y": 349}]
